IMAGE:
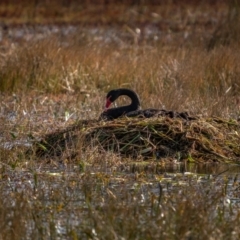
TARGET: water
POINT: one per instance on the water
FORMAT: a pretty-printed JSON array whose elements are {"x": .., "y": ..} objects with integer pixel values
[{"x": 104, "y": 34}]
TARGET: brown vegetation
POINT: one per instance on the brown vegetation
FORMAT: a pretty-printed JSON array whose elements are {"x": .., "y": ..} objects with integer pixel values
[{"x": 177, "y": 56}]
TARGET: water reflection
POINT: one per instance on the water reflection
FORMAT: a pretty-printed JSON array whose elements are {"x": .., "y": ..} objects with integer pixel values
[
  {"x": 104, "y": 34},
  {"x": 13, "y": 144},
  {"x": 198, "y": 168}
]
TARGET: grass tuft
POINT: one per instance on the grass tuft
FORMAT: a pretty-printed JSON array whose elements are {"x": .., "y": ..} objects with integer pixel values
[{"x": 200, "y": 140}]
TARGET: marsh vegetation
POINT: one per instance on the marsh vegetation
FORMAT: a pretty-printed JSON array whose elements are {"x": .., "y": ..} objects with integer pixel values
[{"x": 58, "y": 61}]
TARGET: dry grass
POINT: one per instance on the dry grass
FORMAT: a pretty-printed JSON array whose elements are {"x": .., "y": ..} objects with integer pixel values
[
  {"x": 163, "y": 139},
  {"x": 55, "y": 80},
  {"x": 75, "y": 204},
  {"x": 104, "y": 12},
  {"x": 190, "y": 79}
]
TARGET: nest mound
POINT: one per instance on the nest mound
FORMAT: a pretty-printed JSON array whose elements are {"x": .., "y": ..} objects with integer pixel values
[{"x": 199, "y": 140}]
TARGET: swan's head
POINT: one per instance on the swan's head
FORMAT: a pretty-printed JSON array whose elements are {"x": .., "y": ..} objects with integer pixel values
[{"x": 111, "y": 97}]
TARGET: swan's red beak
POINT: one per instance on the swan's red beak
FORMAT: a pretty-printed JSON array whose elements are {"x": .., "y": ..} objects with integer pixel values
[{"x": 108, "y": 103}]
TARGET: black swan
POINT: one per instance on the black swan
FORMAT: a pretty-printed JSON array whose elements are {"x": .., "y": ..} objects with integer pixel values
[{"x": 133, "y": 110}]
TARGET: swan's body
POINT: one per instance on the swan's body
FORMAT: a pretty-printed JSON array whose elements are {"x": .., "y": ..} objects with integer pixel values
[{"x": 133, "y": 110}]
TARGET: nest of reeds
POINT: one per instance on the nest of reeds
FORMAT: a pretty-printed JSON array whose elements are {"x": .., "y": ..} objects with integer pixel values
[{"x": 200, "y": 140}]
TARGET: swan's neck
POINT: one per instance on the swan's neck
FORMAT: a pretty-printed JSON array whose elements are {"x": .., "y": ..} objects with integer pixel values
[{"x": 135, "y": 103}]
